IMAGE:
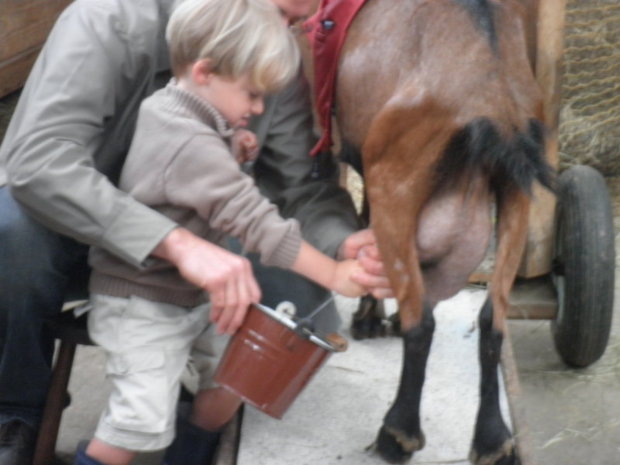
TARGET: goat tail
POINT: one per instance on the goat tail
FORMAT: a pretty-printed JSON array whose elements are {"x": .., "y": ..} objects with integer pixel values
[{"x": 509, "y": 163}]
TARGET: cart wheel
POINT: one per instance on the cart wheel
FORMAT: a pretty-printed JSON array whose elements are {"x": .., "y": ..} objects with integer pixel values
[{"x": 584, "y": 266}]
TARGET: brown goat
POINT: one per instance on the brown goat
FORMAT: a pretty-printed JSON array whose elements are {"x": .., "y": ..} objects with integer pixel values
[{"x": 437, "y": 105}]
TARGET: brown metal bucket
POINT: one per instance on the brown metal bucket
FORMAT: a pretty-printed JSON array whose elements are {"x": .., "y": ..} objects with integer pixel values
[{"x": 267, "y": 363}]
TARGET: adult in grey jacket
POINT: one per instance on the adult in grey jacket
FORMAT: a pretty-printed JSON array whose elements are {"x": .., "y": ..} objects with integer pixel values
[{"x": 59, "y": 162}]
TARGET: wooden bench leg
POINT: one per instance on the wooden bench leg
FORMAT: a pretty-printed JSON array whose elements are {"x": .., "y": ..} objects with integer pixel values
[{"x": 54, "y": 405}]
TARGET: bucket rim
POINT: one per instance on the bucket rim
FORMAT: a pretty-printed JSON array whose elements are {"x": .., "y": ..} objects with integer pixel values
[{"x": 290, "y": 324}]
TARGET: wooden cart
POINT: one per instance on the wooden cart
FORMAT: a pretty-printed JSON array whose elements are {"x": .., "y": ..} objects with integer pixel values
[{"x": 567, "y": 272}]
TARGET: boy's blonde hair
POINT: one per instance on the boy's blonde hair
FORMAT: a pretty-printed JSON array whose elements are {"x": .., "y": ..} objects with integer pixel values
[{"x": 237, "y": 36}]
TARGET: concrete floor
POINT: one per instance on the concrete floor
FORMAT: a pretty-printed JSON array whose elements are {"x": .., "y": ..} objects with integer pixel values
[
  {"x": 573, "y": 415},
  {"x": 337, "y": 417}
]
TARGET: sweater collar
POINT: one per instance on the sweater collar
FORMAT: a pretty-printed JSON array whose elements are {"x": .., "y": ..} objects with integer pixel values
[{"x": 203, "y": 109}]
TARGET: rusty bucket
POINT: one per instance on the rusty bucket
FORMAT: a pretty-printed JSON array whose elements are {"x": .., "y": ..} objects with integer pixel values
[{"x": 270, "y": 360}]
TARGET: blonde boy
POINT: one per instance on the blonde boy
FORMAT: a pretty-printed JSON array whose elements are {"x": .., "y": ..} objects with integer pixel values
[{"x": 225, "y": 55}]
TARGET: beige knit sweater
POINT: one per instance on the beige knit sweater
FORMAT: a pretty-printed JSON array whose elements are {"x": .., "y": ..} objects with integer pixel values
[{"x": 180, "y": 164}]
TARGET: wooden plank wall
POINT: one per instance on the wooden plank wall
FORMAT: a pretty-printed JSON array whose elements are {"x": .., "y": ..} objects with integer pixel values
[
  {"x": 24, "y": 26},
  {"x": 549, "y": 47}
]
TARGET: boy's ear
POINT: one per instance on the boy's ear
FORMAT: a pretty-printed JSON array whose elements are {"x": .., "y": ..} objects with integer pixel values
[{"x": 201, "y": 71}]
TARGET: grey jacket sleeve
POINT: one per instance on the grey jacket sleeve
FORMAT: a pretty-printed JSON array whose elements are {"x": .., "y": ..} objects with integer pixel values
[
  {"x": 284, "y": 169},
  {"x": 52, "y": 149}
]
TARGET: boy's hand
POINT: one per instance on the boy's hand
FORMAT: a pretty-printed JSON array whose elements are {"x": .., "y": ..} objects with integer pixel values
[
  {"x": 244, "y": 146},
  {"x": 362, "y": 245},
  {"x": 343, "y": 279}
]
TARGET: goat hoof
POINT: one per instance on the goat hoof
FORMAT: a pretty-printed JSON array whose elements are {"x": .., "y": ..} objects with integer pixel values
[
  {"x": 505, "y": 455},
  {"x": 367, "y": 329},
  {"x": 368, "y": 321},
  {"x": 394, "y": 447},
  {"x": 394, "y": 323}
]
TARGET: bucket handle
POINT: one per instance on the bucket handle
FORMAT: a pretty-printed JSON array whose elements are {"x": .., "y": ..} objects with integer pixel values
[{"x": 305, "y": 327}]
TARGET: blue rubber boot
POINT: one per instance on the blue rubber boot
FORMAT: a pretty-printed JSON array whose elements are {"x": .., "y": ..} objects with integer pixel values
[
  {"x": 192, "y": 445},
  {"x": 82, "y": 459}
]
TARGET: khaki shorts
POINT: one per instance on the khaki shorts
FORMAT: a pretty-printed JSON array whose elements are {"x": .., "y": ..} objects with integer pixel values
[{"x": 148, "y": 345}]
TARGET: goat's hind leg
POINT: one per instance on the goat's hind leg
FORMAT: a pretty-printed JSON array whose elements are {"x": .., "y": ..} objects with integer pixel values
[
  {"x": 399, "y": 161},
  {"x": 369, "y": 321},
  {"x": 401, "y": 434},
  {"x": 493, "y": 443}
]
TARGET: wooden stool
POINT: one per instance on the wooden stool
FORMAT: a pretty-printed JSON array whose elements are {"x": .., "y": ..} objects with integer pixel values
[{"x": 70, "y": 331}]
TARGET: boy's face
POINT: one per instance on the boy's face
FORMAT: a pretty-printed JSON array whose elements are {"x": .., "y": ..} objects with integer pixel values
[
  {"x": 235, "y": 99},
  {"x": 293, "y": 10}
]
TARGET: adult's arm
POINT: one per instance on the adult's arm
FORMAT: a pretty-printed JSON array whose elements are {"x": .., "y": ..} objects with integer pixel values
[
  {"x": 284, "y": 171},
  {"x": 69, "y": 136},
  {"x": 228, "y": 279},
  {"x": 70, "y": 131}
]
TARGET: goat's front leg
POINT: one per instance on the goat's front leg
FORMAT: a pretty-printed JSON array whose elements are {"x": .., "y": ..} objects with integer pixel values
[{"x": 401, "y": 434}]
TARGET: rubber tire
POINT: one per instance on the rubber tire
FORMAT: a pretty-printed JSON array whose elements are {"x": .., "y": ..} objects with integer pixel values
[{"x": 584, "y": 266}]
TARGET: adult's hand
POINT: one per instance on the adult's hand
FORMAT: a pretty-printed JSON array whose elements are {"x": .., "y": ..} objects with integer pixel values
[
  {"x": 226, "y": 276},
  {"x": 362, "y": 245}
]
